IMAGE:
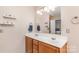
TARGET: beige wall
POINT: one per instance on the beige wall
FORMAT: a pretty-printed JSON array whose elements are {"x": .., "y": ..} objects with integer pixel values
[
  {"x": 67, "y": 13},
  {"x": 41, "y": 20},
  {"x": 12, "y": 38}
]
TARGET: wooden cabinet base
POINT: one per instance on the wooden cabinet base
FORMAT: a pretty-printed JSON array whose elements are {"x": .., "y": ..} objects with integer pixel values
[{"x": 35, "y": 46}]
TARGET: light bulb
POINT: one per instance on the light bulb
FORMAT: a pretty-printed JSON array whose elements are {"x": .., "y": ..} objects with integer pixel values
[
  {"x": 46, "y": 9},
  {"x": 39, "y": 12}
]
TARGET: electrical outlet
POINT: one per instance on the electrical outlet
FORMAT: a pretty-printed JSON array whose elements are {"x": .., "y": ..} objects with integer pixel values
[
  {"x": 1, "y": 30},
  {"x": 67, "y": 30}
]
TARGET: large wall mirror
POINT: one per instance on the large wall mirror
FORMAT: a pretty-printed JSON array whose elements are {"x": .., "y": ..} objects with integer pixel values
[{"x": 49, "y": 19}]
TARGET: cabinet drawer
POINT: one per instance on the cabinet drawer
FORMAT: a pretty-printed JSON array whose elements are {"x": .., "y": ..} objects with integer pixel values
[
  {"x": 35, "y": 42},
  {"x": 35, "y": 47},
  {"x": 35, "y": 51}
]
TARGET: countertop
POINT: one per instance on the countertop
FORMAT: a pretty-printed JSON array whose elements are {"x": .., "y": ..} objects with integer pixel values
[{"x": 52, "y": 39}]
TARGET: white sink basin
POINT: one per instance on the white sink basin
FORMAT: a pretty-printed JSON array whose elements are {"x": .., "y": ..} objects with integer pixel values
[{"x": 54, "y": 40}]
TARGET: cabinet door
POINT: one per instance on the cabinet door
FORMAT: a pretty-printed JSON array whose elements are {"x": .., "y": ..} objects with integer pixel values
[
  {"x": 64, "y": 49},
  {"x": 28, "y": 45},
  {"x": 35, "y": 42},
  {"x": 46, "y": 48}
]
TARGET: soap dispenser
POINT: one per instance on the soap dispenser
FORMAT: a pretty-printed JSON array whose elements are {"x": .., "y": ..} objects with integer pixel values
[
  {"x": 38, "y": 28},
  {"x": 30, "y": 29}
]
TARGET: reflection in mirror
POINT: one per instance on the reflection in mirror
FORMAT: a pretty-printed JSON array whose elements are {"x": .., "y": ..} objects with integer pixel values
[
  {"x": 55, "y": 21},
  {"x": 49, "y": 19}
]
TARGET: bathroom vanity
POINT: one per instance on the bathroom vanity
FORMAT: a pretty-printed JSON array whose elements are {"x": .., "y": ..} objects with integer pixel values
[{"x": 45, "y": 43}]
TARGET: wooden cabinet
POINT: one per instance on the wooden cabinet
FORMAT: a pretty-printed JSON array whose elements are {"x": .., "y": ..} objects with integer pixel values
[
  {"x": 46, "y": 48},
  {"x": 35, "y": 46},
  {"x": 28, "y": 44}
]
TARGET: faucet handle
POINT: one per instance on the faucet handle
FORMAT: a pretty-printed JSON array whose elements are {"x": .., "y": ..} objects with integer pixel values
[{"x": 53, "y": 38}]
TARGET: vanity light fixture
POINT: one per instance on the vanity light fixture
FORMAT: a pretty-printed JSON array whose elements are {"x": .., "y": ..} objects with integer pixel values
[{"x": 46, "y": 9}]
